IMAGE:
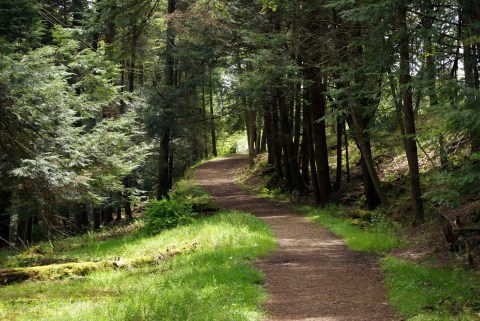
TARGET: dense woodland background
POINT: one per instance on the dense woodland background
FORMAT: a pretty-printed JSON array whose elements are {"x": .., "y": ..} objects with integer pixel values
[{"x": 105, "y": 103}]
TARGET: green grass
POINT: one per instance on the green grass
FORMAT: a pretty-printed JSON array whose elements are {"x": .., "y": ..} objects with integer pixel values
[
  {"x": 216, "y": 282},
  {"x": 429, "y": 294},
  {"x": 379, "y": 237}
]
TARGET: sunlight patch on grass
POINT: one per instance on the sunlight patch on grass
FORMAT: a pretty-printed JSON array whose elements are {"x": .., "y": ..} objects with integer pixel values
[
  {"x": 216, "y": 282},
  {"x": 375, "y": 239}
]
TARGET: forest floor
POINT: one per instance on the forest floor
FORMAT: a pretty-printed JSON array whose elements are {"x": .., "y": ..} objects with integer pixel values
[{"x": 312, "y": 275}]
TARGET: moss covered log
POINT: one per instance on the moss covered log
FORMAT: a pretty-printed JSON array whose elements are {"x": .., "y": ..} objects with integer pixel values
[{"x": 58, "y": 271}]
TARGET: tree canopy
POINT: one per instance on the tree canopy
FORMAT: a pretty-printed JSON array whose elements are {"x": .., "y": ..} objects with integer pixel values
[{"x": 103, "y": 103}]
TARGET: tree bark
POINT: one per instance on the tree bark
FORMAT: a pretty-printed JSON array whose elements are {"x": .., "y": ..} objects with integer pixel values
[
  {"x": 311, "y": 154},
  {"x": 277, "y": 147},
  {"x": 338, "y": 175},
  {"x": 347, "y": 158},
  {"x": 317, "y": 112},
  {"x": 292, "y": 171},
  {"x": 164, "y": 151},
  {"x": 360, "y": 126},
  {"x": 96, "y": 218},
  {"x": 24, "y": 229},
  {"x": 5, "y": 218},
  {"x": 212, "y": 121},
  {"x": 205, "y": 121},
  {"x": 268, "y": 133},
  {"x": 409, "y": 120},
  {"x": 163, "y": 158},
  {"x": 470, "y": 18},
  {"x": 304, "y": 151}
]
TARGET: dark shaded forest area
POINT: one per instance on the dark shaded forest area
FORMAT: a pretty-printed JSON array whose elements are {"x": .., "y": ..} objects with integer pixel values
[{"x": 105, "y": 103}]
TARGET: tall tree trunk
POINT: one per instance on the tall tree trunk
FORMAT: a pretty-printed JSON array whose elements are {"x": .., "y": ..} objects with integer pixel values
[
  {"x": 304, "y": 151},
  {"x": 317, "y": 110},
  {"x": 5, "y": 218},
  {"x": 338, "y": 175},
  {"x": 311, "y": 153},
  {"x": 163, "y": 155},
  {"x": 107, "y": 215},
  {"x": 96, "y": 218},
  {"x": 110, "y": 31},
  {"x": 250, "y": 125},
  {"x": 127, "y": 183},
  {"x": 205, "y": 121},
  {"x": 132, "y": 59},
  {"x": 268, "y": 132},
  {"x": 347, "y": 158},
  {"x": 77, "y": 220},
  {"x": 277, "y": 146},
  {"x": 373, "y": 191},
  {"x": 470, "y": 18},
  {"x": 24, "y": 229},
  {"x": 409, "y": 120},
  {"x": 298, "y": 118},
  {"x": 292, "y": 171},
  {"x": 212, "y": 121},
  {"x": 164, "y": 152},
  {"x": 258, "y": 133},
  {"x": 84, "y": 216},
  {"x": 431, "y": 80}
]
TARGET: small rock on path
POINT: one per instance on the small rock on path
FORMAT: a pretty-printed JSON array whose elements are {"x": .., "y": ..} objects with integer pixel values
[{"x": 312, "y": 275}]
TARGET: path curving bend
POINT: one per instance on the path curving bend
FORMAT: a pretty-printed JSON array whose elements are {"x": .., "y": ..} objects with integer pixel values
[{"x": 312, "y": 275}]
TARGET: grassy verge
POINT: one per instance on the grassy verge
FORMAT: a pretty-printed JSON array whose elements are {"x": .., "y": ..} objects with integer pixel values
[
  {"x": 377, "y": 237},
  {"x": 432, "y": 294},
  {"x": 216, "y": 282}
]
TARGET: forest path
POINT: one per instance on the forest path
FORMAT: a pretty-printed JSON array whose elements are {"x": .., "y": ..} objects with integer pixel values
[{"x": 312, "y": 275}]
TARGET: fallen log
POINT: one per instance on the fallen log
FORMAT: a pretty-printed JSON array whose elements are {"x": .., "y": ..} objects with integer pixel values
[{"x": 59, "y": 271}]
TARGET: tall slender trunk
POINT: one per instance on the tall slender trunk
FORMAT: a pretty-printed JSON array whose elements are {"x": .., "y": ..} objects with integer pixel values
[
  {"x": 258, "y": 133},
  {"x": 277, "y": 146},
  {"x": 304, "y": 151},
  {"x": 409, "y": 120},
  {"x": 297, "y": 118},
  {"x": 24, "y": 229},
  {"x": 132, "y": 59},
  {"x": 317, "y": 112},
  {"x": 373, "y": 189},
  {"x": 212, "y": 121},
  {"x": 163, "y": 158},
  {"x": 110, "y": 30},
  {"x": 338, "y": 175},
  {"x": 470, "y": 18},
  {"x": 431, "y": 80},
  {"x": 311, "y": 154},
  {"x": 267, "y": 115},
  {"x": 96, "y": 218},
  {"x": 347, "y": 158},
  {"x": 5, "y": 218},
  {"x": 205, "y": 121},
  {"x": 164, "y": 151},
  {"x": 292, "y": 171}
]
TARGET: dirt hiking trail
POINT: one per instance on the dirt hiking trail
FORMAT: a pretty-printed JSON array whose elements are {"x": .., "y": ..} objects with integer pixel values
[{"x": 312, "y": 275}]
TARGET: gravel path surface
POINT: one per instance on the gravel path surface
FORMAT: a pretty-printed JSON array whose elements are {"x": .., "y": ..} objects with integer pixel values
[{"x": 312, "y": 275}]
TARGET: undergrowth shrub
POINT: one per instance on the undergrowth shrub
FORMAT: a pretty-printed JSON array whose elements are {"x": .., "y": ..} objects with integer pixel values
[
  {"x": 167, "y": 213},
  {"x": 452, "y": 187}
]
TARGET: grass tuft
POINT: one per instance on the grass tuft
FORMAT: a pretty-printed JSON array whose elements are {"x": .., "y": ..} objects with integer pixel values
[{"x": 379, "y": 237}]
